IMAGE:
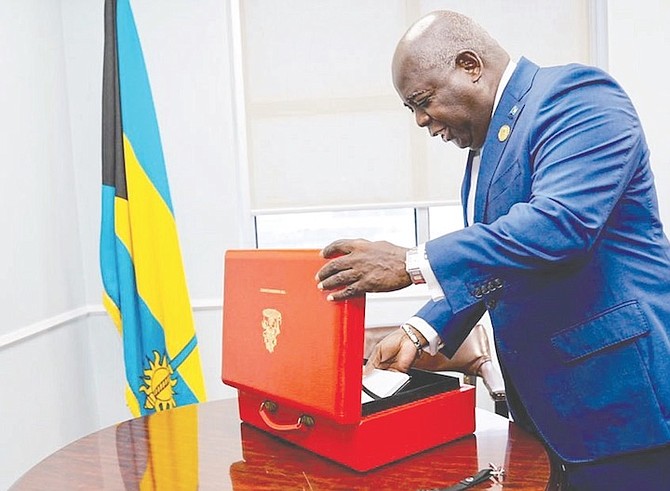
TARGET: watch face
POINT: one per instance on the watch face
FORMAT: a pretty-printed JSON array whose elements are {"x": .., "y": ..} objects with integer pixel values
[{"x": 416, "y": 276}]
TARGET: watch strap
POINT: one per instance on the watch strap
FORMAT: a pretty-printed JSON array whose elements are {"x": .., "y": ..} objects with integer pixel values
[{"x": 413, "y": 337}]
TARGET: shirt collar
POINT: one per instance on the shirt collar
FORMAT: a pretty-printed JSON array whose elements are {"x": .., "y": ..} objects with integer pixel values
[{"x": 507, "y": 74}]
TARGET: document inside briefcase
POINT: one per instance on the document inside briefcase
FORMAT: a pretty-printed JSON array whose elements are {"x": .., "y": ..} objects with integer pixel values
[{"x": 419, "y": 385}]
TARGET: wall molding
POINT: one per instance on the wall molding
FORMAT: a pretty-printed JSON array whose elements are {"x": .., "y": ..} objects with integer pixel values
[
  {"x": 78, "y": 314},
  {"x": 44, "y": 325},
  {"x": 386, "y": 301}
]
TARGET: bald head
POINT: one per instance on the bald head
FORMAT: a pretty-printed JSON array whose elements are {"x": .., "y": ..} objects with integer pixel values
[
  {"x": 437, "y": 38},
  {"x": 446, "y": 70}
]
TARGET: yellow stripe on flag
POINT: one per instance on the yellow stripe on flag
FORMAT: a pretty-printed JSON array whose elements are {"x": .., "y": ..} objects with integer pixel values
[
  {"x": 158, "y": 267},
  {"x": 122, "y": 224}
]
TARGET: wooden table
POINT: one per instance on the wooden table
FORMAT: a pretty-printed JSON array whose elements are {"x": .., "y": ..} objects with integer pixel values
[{"x": 205, "y": 446}]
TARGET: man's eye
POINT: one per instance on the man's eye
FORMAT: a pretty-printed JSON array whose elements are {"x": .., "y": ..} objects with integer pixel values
[{"x": 423, "y": 102}]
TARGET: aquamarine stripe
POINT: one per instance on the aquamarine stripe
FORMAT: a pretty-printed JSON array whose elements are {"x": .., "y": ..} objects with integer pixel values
[
  {"x": 142, "y": 334},
  {"x": 138, "y": 115},
  {"x": 185, "y": 352}
]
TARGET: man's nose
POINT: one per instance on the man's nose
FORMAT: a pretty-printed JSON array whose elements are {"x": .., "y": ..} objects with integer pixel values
[{"x": 422, "y": 118}]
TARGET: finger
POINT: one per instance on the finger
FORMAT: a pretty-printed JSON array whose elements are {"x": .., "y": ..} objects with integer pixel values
[
  {"x": 388, "y": 351},
  {"x": 396, "y": 354},
  {"x": 373, "y": 360},
  {"x": 337, "y": 248},
  {"x": 406, "y": 357},
  {"x": 368, "y": 367},
  {"x": 339, "y": 280},
  {"x": 350, "y": 291},
  {"x": 332, "y": 267}
]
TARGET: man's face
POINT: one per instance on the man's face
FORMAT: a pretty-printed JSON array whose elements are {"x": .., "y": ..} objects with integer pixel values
[{"x": 446, "y": 101}]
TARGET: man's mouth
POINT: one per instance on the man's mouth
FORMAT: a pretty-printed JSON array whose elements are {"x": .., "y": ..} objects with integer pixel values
[{"x": 443, "y": 134}]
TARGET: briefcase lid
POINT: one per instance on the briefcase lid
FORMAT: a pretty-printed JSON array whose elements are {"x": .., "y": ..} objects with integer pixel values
[{"x": 282, "y": 338}]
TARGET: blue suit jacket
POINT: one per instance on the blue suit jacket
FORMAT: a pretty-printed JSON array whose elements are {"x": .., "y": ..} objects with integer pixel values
[{"x": 569, "y": 257}]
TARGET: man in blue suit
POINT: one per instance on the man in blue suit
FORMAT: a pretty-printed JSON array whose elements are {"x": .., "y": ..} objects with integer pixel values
[{"x": 564, "y": 248}]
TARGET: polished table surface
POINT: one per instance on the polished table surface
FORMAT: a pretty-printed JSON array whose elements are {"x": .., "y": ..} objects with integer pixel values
[{"x": 205, "y": 446}]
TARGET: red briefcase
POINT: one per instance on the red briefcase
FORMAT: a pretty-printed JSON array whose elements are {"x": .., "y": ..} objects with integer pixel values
[{"x": 297, "y": 360}]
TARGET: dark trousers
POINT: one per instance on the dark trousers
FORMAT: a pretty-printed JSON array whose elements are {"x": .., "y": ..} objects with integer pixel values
[{"x": 648, "y": 470}]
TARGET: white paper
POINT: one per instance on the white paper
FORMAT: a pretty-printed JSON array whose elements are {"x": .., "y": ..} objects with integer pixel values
[{"x": 383, "y": 383}]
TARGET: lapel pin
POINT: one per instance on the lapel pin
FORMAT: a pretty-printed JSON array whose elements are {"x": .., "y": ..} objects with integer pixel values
[
  {"x": 503, "y": 132},
  {"x": 513, "y": 111}
]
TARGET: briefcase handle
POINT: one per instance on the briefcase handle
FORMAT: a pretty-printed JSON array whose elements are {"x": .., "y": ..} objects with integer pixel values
[{"x": 271, "y": 407}]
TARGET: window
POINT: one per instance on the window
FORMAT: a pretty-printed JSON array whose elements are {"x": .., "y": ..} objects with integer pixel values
[
  {"x": 317, "y": 229},
  {"x": 324, "y": 129},
  {"x": 401, "y": 226}
]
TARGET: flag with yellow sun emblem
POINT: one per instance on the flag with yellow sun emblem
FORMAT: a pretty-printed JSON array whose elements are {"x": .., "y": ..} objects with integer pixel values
[{"x": 145, "y": 289}]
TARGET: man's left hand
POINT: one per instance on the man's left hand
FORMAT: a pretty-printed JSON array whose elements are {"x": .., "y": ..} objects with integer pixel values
[
  {"x": 395, "y": 352},
  {"x": 359, "y": 266}
]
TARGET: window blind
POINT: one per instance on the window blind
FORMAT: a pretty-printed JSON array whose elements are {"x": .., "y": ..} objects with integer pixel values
[{"x": 325, "y": 128}]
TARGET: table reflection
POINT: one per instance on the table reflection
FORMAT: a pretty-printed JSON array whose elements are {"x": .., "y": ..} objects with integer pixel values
[{"x": 205, "y": 447}]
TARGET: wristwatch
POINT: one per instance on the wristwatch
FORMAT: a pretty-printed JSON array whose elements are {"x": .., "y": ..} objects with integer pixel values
[
  {"x": 412, "y": 261},
  {"x": 413, "y": 337}
]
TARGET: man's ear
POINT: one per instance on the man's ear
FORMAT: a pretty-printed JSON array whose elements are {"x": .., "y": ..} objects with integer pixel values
[{"x": 470, "y": 62}]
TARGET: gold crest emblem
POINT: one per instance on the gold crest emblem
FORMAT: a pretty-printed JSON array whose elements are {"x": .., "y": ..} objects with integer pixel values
[
  {"x": 271, "y": 328},
  {"x": 159, "y": 384},
  {"x": 504, "y": 132}
]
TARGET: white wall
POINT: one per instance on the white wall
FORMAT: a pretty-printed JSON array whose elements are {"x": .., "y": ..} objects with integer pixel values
[
  {"x": 61, "y": 366},
  {"x": 40, "y": 228},
  {"x": 46, "y": 391},
  {"x": 639, "y": 39},
  {"x": 61, "y": 369}
]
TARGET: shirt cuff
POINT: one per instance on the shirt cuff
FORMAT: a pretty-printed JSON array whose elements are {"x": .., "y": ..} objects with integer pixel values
[
  {"x": 434, "y": 287},
  {"x": 427, "y": 331}
]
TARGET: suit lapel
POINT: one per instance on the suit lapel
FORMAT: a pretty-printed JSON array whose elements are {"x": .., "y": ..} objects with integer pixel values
[{"x": 500, "y": 130}]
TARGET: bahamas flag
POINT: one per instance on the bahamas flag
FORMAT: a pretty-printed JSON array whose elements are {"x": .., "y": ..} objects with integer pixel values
[{"x": 145, "y": 289}]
